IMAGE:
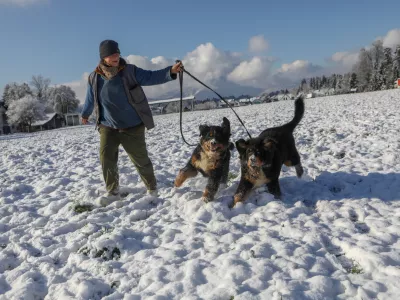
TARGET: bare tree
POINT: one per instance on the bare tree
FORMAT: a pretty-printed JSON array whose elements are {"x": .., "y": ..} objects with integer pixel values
[{"x": 41, "y": 85}]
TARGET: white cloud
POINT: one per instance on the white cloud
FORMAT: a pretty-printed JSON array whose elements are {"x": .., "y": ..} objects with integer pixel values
[
  {"x": 22, "y": 2},
  {"x": 392, "y": 39},
  {"x": 290, "y": 74},
  {"x": 345, "y": 58},
  {"x": 296, "y": 70},
  {"x": 343, "y": 61},
  {"x": 149, "y": 64},
  {"x": 210, "y": 63},
  {"x": 252, "y": 73},
  {"x": 294, "y": 66},
  {"x": 258, "y": 44}
]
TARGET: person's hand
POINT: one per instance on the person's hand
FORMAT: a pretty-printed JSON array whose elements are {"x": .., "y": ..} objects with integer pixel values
[
  {"x": 176, "y": 68},
  {"x": 84, "y": 121}
]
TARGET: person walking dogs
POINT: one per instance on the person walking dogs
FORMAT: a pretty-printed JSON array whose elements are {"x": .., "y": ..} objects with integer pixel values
[{"x": 115, "y": 93}]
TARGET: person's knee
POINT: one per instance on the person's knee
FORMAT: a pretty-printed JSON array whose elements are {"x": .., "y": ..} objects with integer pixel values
[{"x": 145, "y": 164}]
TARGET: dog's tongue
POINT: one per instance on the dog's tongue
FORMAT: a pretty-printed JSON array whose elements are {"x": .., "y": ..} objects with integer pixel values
[{"x": 214, "y": 147}]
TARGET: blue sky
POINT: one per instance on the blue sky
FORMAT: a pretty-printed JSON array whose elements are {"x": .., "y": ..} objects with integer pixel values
[{"x": 59, "y": 39}]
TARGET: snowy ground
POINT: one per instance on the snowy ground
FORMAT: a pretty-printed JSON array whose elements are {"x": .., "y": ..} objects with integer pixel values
[{"x": 335, "y": 235}]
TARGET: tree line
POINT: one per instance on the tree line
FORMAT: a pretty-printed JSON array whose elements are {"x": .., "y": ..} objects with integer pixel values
[{"x": 377, "y": 68}]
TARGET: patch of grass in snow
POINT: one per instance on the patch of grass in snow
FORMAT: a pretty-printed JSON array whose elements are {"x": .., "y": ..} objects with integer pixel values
[
  {"x": 80, "y": 208},
  {"x": 105, "y": 253},
  {"x": 340, "y": 155},
  {"x": 106, "y": 229},
  {"x": 356, "y": 269}
]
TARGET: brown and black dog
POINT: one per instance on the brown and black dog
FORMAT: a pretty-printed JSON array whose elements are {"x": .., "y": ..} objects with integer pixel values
[
  {"x": 211, "y": 158},
  {"x": 262, "y": 157}
]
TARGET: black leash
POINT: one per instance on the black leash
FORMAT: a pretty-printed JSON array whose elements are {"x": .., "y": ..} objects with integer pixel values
[
  {"x": 181, "y": 108},
  {"x": 181, "y": 101}
]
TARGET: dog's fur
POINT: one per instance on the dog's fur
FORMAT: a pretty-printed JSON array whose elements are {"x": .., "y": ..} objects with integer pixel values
[
  {"x": 262, "y": 157},
  {"x": 211, "y": 158}
]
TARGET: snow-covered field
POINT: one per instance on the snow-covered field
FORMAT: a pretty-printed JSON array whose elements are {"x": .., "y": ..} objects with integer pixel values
[{"x": 335, "y": 234}]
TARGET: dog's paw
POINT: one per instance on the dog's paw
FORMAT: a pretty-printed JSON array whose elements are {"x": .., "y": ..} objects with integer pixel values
[{"x": 299, "y": 170}]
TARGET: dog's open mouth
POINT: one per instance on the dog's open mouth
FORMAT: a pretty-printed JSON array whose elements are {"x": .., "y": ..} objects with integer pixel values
[{"x": 215, "y": 147}]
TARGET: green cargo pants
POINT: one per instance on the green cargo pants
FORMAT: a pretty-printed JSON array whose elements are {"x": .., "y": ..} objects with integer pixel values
[{"x": 133, "y": 141}]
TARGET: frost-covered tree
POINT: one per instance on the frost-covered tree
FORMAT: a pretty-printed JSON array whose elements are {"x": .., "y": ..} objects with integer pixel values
[
  {"x": 313, "y": 81},
  {"x": 304, "y": 87},
  {"x": 363, "y": 69},
  {"x": 387, "y": 69},
  {"x": 377, "y": 56},
  {"x": 346, "y": 83},
  {"x": 353, "y": 81},
  {"x": 317, "y": 83},
  {"x": 332, "y": 81},
  {"x": 338, "y": 86},
  {"x": 377, "y": 80},
  {"x": 377, "y": 53},
  {"x": 14, "y": 91},
  {"x": 396, "y": 63},
  {"x": 25, "y": 111},
  {"x": 62, "y": 99},
  {"x": 40, "y": 87},
  {"x": 324, "y": 82}
]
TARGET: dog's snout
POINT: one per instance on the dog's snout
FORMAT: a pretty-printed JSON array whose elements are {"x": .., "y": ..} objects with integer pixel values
[
  {"x": 213, "y": 142},
  {"x": 252, "y": 158}
]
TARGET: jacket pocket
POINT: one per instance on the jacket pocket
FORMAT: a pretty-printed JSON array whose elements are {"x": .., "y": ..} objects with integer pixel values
[{"x": 137, "y": 94}]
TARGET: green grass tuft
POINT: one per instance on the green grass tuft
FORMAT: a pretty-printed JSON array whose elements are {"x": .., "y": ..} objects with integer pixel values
[
  {"x": 80, "y": 208},
  {"x": 356, "y": 269}
]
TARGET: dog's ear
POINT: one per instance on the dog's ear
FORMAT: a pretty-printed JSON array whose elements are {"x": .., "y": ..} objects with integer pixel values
[
  {"x": 226, "y": 126},
  {"x": 241, "y": 146},
  {"x": 204, "y": 129},
  {"x": 269, "y": 144}
]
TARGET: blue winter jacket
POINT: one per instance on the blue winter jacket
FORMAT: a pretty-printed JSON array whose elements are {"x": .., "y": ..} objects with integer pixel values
[{"x": 114, "y": 108}]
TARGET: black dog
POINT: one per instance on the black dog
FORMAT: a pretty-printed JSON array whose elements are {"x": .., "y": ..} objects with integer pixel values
[
  {"x": 262, "y": 157},
  {"x": 211, "y": 158}
]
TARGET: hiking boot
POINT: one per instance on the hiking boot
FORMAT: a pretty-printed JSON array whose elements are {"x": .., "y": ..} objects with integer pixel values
[
  {"x": 109, "y": 197},
  {"x": 153, "y": 193}
]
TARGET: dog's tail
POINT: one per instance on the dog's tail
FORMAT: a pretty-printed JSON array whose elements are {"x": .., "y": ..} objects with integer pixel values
[{"x": 298, "y": 113}]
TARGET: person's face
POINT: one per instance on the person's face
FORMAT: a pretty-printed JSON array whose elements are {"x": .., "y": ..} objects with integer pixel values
[{"x": 112, "y": 60}]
